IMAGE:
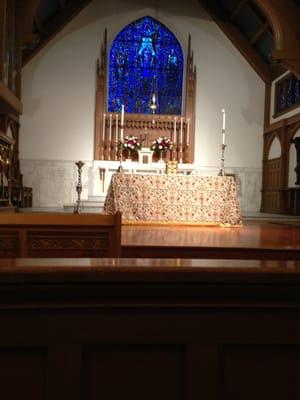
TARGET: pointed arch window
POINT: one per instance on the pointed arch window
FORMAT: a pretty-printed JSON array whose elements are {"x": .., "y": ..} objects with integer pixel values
[{"x": 145, "y": 56}]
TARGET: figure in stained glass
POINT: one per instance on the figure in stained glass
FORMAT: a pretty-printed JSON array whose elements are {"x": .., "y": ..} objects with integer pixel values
[{"x": 146, "y": 52}]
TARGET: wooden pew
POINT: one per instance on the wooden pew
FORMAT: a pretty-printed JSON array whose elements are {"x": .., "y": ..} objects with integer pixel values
[
  {"x": 149, "y": 329},
  {"x": 60, "y": 235}
]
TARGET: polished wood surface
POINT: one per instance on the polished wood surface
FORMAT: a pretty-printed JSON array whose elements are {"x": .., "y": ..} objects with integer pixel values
[
  {"x": 163, "y": 329},
  {"x": 65, "y": 270},
  {"x": 255, "y": 239},
  {"x": 52, "y": 218},
  {"x": 60, "y": 235}
]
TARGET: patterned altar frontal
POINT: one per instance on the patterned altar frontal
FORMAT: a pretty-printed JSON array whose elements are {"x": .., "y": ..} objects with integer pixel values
[{"x": 177, "y": 199}]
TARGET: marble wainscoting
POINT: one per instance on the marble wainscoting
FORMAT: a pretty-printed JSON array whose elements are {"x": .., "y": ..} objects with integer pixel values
[
  {"x": 54, "y": 182},
  {"x": 249, "y": 183}
]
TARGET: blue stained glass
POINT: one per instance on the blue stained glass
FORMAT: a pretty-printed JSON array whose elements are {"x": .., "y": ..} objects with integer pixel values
[{"x": 143, "y": 53}]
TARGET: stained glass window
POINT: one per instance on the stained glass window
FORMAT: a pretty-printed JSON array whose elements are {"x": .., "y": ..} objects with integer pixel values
[
  {"x": 287, "y": 94},
  {"x": 145, "y": 57}
]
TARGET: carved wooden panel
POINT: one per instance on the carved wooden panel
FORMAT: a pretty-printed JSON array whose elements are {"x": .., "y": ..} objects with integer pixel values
[
  {"x": 127, "y": 329},
  {"x": 271, "y": 201},
  {"x": 9, "y": 244},
  {"x": 275, "y": 196},
  {"x": 272, "y": 173},
  {"x": 272, "y": 186},
  {"x": 9, "y": 125},
  {"x": 57, "y": 243},
  {"x": 67, "y": 241},
  {"x": 60, "y": 235}
]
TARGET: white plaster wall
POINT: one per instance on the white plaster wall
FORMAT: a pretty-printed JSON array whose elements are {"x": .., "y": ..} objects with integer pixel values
[
  {"x": 272, "y": 110},
  {"x": 59, "y": 86},
  {"x": 275, "y": 149}
]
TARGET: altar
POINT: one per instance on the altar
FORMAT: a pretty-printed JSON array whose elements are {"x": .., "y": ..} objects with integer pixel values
[{"x": 177, "y": 199}]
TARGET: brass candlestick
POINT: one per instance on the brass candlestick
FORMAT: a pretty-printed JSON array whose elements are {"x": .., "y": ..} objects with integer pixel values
[
  {"x": 186, "y": 152},
  {"x": 180, "y": 153},
  {"x": 222, "y": 170},
  {"x": 102, "y": 178},
  {"x": 120, "y": 168},
  {"x": 116, "y": 150},
  {"x": 78, "y": 206}
]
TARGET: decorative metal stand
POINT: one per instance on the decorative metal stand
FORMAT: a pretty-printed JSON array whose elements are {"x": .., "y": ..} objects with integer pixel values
[
  {"x": 120, "y": 168},
  {"x": 78, "y": 206},
  {"x": 222, "y": 170}
]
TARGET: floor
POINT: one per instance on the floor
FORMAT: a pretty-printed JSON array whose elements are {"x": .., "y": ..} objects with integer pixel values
[
  {"x": 263, "y": 236},
  {"x": 256, "y": 238}
]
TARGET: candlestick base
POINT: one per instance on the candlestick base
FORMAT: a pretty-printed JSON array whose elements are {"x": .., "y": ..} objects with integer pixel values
[{"x": 120, "y": 168}]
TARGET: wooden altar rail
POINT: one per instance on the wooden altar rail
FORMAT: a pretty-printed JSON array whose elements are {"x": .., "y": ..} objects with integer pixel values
[
  {"x": 147, "y": 128},
  {"x": 150, "y": 329},
  {"x": 60, "y": 235}
]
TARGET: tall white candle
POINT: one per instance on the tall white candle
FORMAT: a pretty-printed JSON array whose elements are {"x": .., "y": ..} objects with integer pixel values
[
  {"x": 117, "y": 128},
  {"x": 103, "y": 130},
  {"x": 181, "y": 129},
  {"x": 174, "y": 138},
  {"x": 110, "y": 127},
  {"x": 223, "y": 126},
  {"x": 122, "y": 122},
  {"x": 188, "y": 131},
  {"x": 122, "y": 114}
]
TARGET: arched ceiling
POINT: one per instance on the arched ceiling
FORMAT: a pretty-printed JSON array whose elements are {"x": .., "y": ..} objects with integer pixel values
[
  {"x": 50, "y": 16},
  {"x": 244, "y": 22}
]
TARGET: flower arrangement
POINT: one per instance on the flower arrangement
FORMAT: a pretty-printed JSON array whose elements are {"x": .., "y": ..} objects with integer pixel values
[
  {"x": 131, "y": 143},
  {"x": 161, "y": 145}
]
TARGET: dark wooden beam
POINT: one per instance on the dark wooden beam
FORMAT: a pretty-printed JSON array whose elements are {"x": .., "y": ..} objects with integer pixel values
[
  {"x": 238, "y": 39},
  {"x": 2, "y": 35},
  {"x": 277, "y": 70},
  {"x": 56, "y": 24},
  {"x": 62, "y": 3},
  {"x": 39, "y": 25},
  {"x": 237, "y": 9},
  {"x": 284, "y": 17},
  {"x": 9, "y": 103},
  {"x": 260, "y": 32},
  {"x": 291, "y": 60},
  {"x": 28, "y": 10}
]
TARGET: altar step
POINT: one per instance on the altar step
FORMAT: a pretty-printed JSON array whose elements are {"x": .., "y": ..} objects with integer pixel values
[{"x": 93, "y": 204}]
